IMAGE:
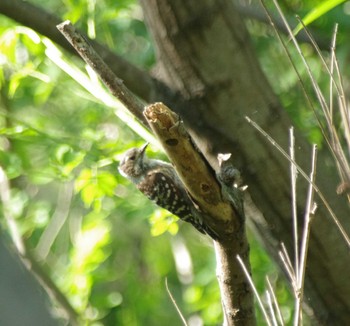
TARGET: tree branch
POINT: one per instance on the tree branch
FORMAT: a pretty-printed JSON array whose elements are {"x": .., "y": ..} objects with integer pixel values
[
  {"x": 189, "y": 163},
  {"x": 139, "y": 81},
  {"x": 236, "y": 295},
  {"x": 112, "y": 82}
]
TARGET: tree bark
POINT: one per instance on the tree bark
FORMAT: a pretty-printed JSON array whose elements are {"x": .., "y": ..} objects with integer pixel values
[
  {"x": 204, "y": 52},
  {"x": 227, "y": 221}
]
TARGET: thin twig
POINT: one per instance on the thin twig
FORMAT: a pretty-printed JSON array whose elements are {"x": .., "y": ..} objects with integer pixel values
[
  {"x": 317, "y": 90},
  {"x": 112, "y": 82},
  {"x": 343, "y": 103},
  {"x": 249, "y": 11},
  {"x": 331, "y": 69},
  {"x": 305, "y": 240},
  {"x": 332, "y": 139},
  {"x": 333, "y": 142},
  {"x": 275, "y": 302},
  {"x": 174, "y": 303},
  {"x": 301, "y": 82},
  {"x": 342, "y": 162},
  {"x": 272, "y": 311},
  {"x": 320, "y": 194},
  {"x": 319, "y": 53},
  {"x": 287, "y": 264},
  {"x": 294, "y": 175},
  {"x": 254, "y": 290}
]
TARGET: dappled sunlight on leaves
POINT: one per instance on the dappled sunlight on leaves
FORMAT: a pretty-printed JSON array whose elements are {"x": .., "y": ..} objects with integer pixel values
[
  {"x": 162, "y": 221},
  {"x": 94, "y": 185}
]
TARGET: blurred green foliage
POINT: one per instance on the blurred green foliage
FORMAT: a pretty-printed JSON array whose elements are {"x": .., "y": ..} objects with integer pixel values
[
  {"x": 280, "y": 72},
  {"x": 112, "y": 249}
]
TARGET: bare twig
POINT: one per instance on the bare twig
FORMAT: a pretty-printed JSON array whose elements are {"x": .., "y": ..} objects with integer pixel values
[
  {"x": 317, "y": 90},
  {"x": 91, "y": 57},
  {"x": 305, "y": 240},
  {"x": 42, "y": 21},
  {"x": 174, "y": 303},
  {"x": 331, "y": 138},
  {"x": 250, "y": 11},
  {"x": 325, "y": 65},
  {"x": 294, "y": 175},
  {"x": 272, "y": 311},
  {"x": 251, "y": 282},
  {"x": 287, "y": 52},
  {"x": 331, "y": 69},
  {"x": 334, "y": 141},
  {"x": 287, "y": 264},
  {"x": 277, "y": 308},
  {"x": 300, "y": 170}
]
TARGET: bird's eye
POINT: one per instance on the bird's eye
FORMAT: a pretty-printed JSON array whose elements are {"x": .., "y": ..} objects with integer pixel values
[{"x": 132, "y": 157}]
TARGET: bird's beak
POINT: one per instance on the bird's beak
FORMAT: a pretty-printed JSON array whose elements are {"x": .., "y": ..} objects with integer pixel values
[{"x": 143, "y": 148}]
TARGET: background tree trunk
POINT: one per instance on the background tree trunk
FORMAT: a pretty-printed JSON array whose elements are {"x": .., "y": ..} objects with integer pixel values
[
  {"x": 204, "y": 52},
  {"x": 22, "y": 300}
]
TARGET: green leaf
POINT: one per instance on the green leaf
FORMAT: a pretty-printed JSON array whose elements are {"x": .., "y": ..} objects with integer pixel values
[
  {"x": 107, "y": 182},
  {"x": 90, "y": 193},
  {"x": 162, "y": 221},
  {"x": 83, "y": 179},
  {"x": 94, "y": 185},
  {"x": 317, "y": 12}
]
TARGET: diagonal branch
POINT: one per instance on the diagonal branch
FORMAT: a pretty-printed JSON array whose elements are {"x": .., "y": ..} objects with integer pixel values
[
  {"x": 40, "y": 20},
  {"x": 190, "y": 165},
  {"x": 91, "y": 57}
]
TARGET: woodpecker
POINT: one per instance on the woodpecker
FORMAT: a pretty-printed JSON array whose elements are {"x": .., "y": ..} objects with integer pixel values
[{"x": 158, "y": 181}]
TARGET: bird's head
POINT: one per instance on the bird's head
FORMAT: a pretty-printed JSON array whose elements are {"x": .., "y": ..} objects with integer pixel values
[{"x": 132, "y": 163}]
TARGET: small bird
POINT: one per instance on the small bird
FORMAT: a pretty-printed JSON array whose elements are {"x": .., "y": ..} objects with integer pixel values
[{"x": 159, "y": 181}]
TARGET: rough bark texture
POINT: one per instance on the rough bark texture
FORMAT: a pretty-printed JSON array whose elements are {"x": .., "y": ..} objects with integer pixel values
[
  {"x": 236, "y": 294},
  {"x": 204, "y": 52}
]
